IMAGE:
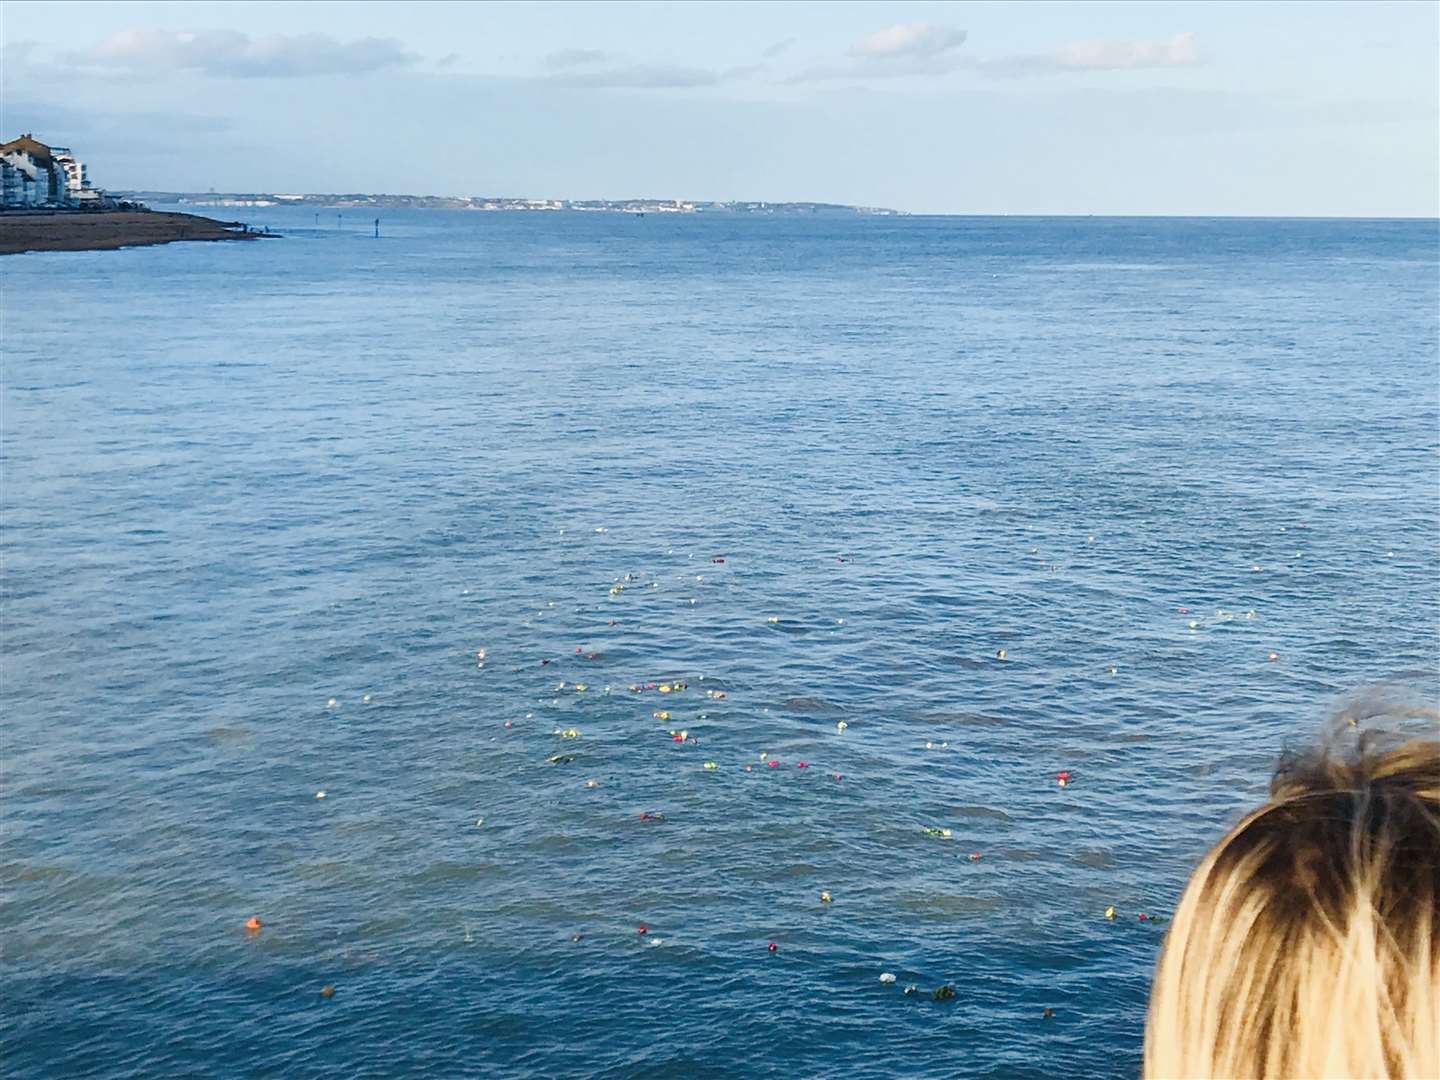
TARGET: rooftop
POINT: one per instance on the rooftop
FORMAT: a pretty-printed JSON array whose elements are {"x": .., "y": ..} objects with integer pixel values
[{"x": 27, "y": 144}]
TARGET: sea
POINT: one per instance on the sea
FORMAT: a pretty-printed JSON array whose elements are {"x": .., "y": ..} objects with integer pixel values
[{"x": 808, "y": 555}]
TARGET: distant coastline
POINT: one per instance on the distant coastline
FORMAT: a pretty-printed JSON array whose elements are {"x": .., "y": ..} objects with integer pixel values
[
  {"x": 475, "y": 202},
  {"x": 105, "y": 231}
]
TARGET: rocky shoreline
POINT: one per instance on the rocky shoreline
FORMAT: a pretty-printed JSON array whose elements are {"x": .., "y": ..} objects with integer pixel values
[{"x": 106, "y": 231}]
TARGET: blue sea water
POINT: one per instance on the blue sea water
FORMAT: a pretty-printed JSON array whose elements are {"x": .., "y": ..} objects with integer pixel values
[{"x": 242, "y": 481}]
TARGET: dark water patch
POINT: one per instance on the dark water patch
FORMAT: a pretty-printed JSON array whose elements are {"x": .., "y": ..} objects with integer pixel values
[
  {"x": 980, "y": 812},
  {"x": 813, "y": 705},
  {"x": 18, "y": 873},
  {"x": 942, "y": 905},
  {"x": 965, "y": 719}
]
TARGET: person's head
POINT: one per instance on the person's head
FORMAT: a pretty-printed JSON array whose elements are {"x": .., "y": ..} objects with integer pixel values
[{"x": 1307, "y": 942}]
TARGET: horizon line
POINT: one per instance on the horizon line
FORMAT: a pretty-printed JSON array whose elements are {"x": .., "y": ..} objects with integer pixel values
[{"x": 876, "y": 211}]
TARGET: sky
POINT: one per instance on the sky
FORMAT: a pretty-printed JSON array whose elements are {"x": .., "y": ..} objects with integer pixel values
[{"x": 1257, "y": 108}]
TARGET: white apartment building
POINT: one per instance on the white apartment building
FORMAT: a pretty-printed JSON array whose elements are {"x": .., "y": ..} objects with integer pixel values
[{"x": 35, "y": 175}]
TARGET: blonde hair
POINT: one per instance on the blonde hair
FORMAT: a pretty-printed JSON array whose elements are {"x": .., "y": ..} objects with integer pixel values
[{"x": 1307, "y": 943}]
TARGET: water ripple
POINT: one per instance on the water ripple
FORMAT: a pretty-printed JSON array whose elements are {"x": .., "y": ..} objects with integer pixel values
[{"x": 263, "y": 504}]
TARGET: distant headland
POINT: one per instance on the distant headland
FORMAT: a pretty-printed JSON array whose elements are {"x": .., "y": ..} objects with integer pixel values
[
  {"x": 107, "y": 230},
  {"x": 47, "y": 203},
  {"x": 496, "y": 203}
]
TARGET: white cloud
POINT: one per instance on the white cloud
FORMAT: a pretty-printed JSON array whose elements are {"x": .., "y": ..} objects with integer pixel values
[
  {"x": 232, "y": 54},
  {"x": 923, "y": 49},
  {"x": 1182, "y": 50},
  {"x": 909, "y": 40},
  {"x": 896, "y": 52},
  {"x": 1178, "y": 51}
]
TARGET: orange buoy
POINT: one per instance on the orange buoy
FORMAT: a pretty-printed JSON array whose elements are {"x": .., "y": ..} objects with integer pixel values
[{"x": 252, "y": 924}]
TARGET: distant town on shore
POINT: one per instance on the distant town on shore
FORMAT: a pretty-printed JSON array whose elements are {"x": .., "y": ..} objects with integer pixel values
[
  {"x": 48, "y": 203},
  {"x": 462, "y": 202},
  {"x": 37, "y": 177}
]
